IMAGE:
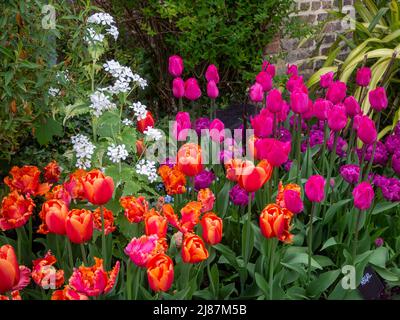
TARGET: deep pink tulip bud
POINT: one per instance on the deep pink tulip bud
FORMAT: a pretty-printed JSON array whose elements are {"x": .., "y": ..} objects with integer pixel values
[
  {"x": 299, "y": 101},
  {"x": 294, "y": 83},
  {"x": 274, "y": 101},
  {"x": 212, "y": 73},
  {"x": 175, "y": 66},
  {"x": 337, "y": 118},
  {"x": 356, "y": 121},
  {"x": 336, "y": 92},
  {"x": 293, "y": 201},
  {"x": 321, "y": 107},
  {"x": 314, "y": 188},
  {"x": 216, "y": 126},
  {"x": 265, "y": 80},
  {"x": 326, "y": 79},
  {"x": 256, "y": 92},
  {"x": 363, "y": 195},
  {"x": 366, "y": 130},
  {"x": 269, "y": 68},
  {"x": 192, "y": 89},
  {"x": 212, "y": 89},
  {"x": 352, "y": 106},
  {"x": 378, "y": 99},
  {"x": 178, "y": 88},
  {"x": 292, "y": 70},
  {"x": 363, "y": 76}
]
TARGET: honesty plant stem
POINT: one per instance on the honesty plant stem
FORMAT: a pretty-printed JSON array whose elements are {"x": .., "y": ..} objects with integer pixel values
[
  {"x": 83, "y": 251},
  {"x": 310, "y": 236},
  {"x": 103, "y": 238}
]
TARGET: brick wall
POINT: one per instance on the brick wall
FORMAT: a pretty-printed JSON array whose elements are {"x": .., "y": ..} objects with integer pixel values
[{"x": 313, "y": 12}]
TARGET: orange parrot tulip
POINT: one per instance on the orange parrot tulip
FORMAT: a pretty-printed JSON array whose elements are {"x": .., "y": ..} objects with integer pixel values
[
  {"x": 160, "y": 272},
  {"x": 193, "y": 249},
  {"x": 212, "y": 228},
  {"x": 155, "y": 223},
  {"x": 275, "y": 223}
]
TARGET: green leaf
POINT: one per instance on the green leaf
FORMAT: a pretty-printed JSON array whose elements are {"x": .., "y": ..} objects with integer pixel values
[
  {"x": 383, "y": 206},
  {"x": 387, "y": 274},
  {"x": 228, "y": 254},
  {"x": 46, "y": 130},
  {"x": 330, "y": 213},
  {"x": 322, "y": 282},
  {"x": 379, "y": 257},
  {"x": 262, "y": 284},
  {"x": 329, "y": 243},
  {"x": 301, "y": 258}
]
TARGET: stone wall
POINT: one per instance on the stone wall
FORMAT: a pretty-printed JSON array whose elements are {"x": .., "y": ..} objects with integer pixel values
[{"x": 313, "y": 12}]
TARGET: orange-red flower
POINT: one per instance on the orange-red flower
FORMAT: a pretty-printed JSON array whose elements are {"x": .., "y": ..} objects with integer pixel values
[
  {"x": 98, "y": 188},
  {"x": 190, "y": 215},
  {"x": 155, "y": 223},
  {"x": 15, "y": 211},
  {"x": 45, "y": 274},
  {"x": 160, "y": 272},
  {"x": 60, "y": 193},
  {"x": 135, "y": 208},
  {"x": 53, "y": 214},
  {"x": 174, "y": 180},
  {"x": 168, "y": 212},
  {"x": 74, "y": 185},
  {"x": 143, "y": 124},
  {"x": 212, "y": 228},
  {"x": 233, "y": 169},
  {"x": 14, "y": 296},
  {"x": 275, "y": 223},
  {"x": 140, "y": 148},
  {"x": 193, "y": 249},
  {"x": 280, "y": 201},
  {"x": 141, "y": 250},
  {"x": 52, "y": 172},
  {"x": 206, "y": 198},
  {"x": 253, "y": 177},
  {"x": 289, "y": 197},
  {"x": 68, "y": 294},
  {"x": 94, "y": 280},
  {"x": 108, "y": 220},
  {"x": 27, "y": 181},
  {"x": 79, "y": 225},
  {"x": 12, "y": 275},
  {"x": 189, "y": 159}
]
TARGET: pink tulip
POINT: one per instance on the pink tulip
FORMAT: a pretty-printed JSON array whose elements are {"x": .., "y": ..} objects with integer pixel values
[
  {"x": 366, "y": 130},
  {"x": 178, "y": 88},
  {"x": 352, "y": 106},
  {"x": 256, "y": 92},
  {"x": 192, "y": 89},
  {"x": 293, "y": 201},
  {"x": 212, "y": 89},
  {"x": 337, "y": 118},
  {"x": 274, "y": 101},
  {"x": 378, "y": 99},
  {"x": 363, "y": 195},
  {"x": 321, "y": 107},
  {"x": 181, "y": 126},
  {"x": 265, "y": 80},
  {"x": 292, "y": 70},
  {"x": 309, "y": 114},
  {"x": 262, "y": 125},
  {"x": 356, "y": 121},
  {"x": 294, "y": 82},
  {"x": 299, "y": 101},
  {"x": 326, "y": 79},
  {"x": 217, "y": 130},
  {"x": 269, "y": 68},
  {"x": 336, "y": 92},
  {"x": 314, "y": 188},
  {"x": 363, "y": 76},
  {"x": 175, "y": 66},
  {"x": 212, "y": 73},
  {"x": 274, "y": 151}
]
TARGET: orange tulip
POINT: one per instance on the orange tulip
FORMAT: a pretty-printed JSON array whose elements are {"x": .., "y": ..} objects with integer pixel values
[
  {"x": 52, "y": 172},
  {"x": 59, "y": 193},
  {"x": 189, "y": 159},
  {"x": 233, "y": 169},
  {"x": 275, "y": 223},
  {"x": 79, "y": 225},
  {"x": 135, "y": 208},
  {"x": 168, "y": 212},
  {"x": 45, "y": 274},
  {"x": 12, "y": 276},
  {"x": 15, "y": 210},
  {"x": 174, "y": 180},
  {"x": 206, "y": 198},
  {"x": 190, "y": 215},
  {"x": 15, "y": 295},
  {"x": 140, "y": 148},
  {"x": 281, "y": 190},
  {"x": 26, "y": 181},
  {"x": 74, "y": 185},
  {"x": 68, "y": 294},
  {"x": 155, "y": 223},
  {"x": 193, "y": 249},
  {"x": 253, "y": 177},
  {"x": 98, "y": 188},
  {"x": 212, "y": 228},
  {"x": 109, "y": 226},
  {"x": 143, "y": 124},
  {"x": 160, "y": 272},
  {"x": 53, "y": 214}
]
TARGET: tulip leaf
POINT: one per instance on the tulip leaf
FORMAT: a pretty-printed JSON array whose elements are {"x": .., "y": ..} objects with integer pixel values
[
  {"x": 387, "y": 274},
  {"x": 262, "y": 284},
  {"x": 329, "y": 243},
  {"x": 379, "y": 257},
  {"x": 300, "y": 258},
  {"x": 330, "y": 213},
  {"x": 322, "y": 283},
  {"x": 384, "y": 206},
  {"x": 228, "y": 254}
]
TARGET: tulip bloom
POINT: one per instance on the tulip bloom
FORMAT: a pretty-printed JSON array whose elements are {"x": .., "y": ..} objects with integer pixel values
[
  {"x": 299, "y": 101},
  {"x": 98, "y": 188},
  {"x": 190, "y": 215},
  {"x": 337, "y": 118},
  {"x": 175, "y": 66},
  {"x": 256, "y": 92},
  {"x": 274, "y": 101},
  {"x": 178, "y": 88},
  {"x": 212, "y": 73},
  {"x": 326, "y": 79},
  {"x": 275, "y": 223},
  {"x": 262, "y": 125},
  {"x": 294, "y": 83},
  {"x": 189, "y": 159},
  {"x": 193, "y": 249},
  {"x": 59, "y": 193},
  {"x": 140, "y": 147},
  {"x": 212, "y": 90},
  {"x": 141, "y": 250},
  {"x": 174, "y": 180},
  {"x": 292, "y": 70},
  {"x": 135, "y": 208},
  {"x": 143, "y": 124},
  {"x": 68, "y": 294},
  {"x": 109, "y": 226},
  {"x": 212, "y": 228},
  {"x": 269, "y": 68},
  {"x": 366, "y": 131},
  {"x": 265, "y": 80},
  {"x": 363, "y": 76},
  {"x": 314, "y": 188},
  {"x": 26, "y": 180},
  {"x": 289, "y": 197},
  {"x": 274, "y": 151},
  {"x": 206, "y": 198},
  {"x": 154, "y": 223},
  {"x": 336, "y": 92},
  {"x": 160, "y": 272},
  {"x": 204, "y": 179},
  {"x": 45, "y": 274},
  {"x": 79, "y": 225},
  {"x": 74, "y": 185},
  {"x": 52, "y": 172},
  {"x": 181, "y": 126},
  {"x": 363, "y": 195},
  {"x": 15, "y": 211},
  {"x": 378, "y": 99},
  {"x": 94, "y": 281},
  {"x": 217, "y": 128},
  {"x": 352, "y": 106},
  {"x": 192, "y": 89},
  {"x": 321, "y": 107},
  {"x": 12, "y": 276},
  {"x": 251, "y": 177},
  {"x": 54, "y": 215}
]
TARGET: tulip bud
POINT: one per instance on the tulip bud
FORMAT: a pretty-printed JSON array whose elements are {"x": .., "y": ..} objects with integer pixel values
[
  {"x": 378, "y": 99},
  {"x": 363, "y": 76},
  {"x": 175, "y": 66},
  {"x": 192, "y": 89},
  {"x": 178, "y": 88},
  {"x": 212, "y": 90},
  {"x": 212, "y": 73}
]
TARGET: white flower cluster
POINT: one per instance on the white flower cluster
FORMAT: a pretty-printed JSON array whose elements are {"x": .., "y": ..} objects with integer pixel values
[
  {"x": 104, "y": 19},
  {"x": 147, "y": 168},
  {"x": 100, "y": 103},
  {"x": 140, "y": 110},
  {"x": 93, "y": 36},
  {"x": 153, "y": 134},
  {"x": 127, "y": 122},
  {"x": 84, "y": 150},
  {"x": 117, "y": 153},
  {"x": 54, "y": 91}
]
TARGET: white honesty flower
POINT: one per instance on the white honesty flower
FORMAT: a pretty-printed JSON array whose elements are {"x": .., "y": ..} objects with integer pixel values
[
  {"x": 83, "y": 149},
  {"x": 93, "y": 36},
  {"x": 101, "y": 18},
  {"x": 147, "y": 168},
  {"x": 117, "y": 153},
  {"x": 54, "y": 91},
  {"x": 140, "y": 110},
  {"x": 153, "y": 134},
  {"x": 100, "y": 103},
  {"x": 127, "y": 122}
]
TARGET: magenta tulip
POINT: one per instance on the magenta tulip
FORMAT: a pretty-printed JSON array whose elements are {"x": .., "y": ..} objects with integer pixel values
[
  {"x": 321, "y": 107},
  {"x": 274, "y": 101},
  {"x": 192, "y": 89},
  {"x": 337, "y": 118},
  {"x": 269, "y": 68},
  {"x": 262, "y": 125},
  {"x": 366, "y": 130},
  {"x": 175, "y": 66},
  {"x": 314, "y": 188},
  {"x": 352, "y": 106},
  {"x": 299, "y": 101},
  {"x": 363, "y": 195},
  {"x": 256, "y": 92},
  {"x": 274, "y": 151},
  {"x": 178, "y": 88},
  {"x": 378, "y": 99},
  {"x": 326, "y": 79},
  {"x": 212, "y": 73},
  {"x": 293, "y": 201},
  {"x": 363, "y": 76},
  {"x": 292, "y": 70},
  {"x": 181, "y": 125},
  {"x": 217, "y": 130},
  {"x": 336, "y": 92},
  {"x": 212, "y": 89},
  {"x": 265, "y": 80},
  {"x": 295, "y": 82}
]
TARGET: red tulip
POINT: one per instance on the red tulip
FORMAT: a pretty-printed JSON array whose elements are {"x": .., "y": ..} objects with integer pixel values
[
  {"x": 79, "y": 225},
  {"x": 53, "y": 214},
  {"x": 189, "y": 159},
  {"x": 251, "y": 177},
  {"x": 143, "y": 124},
  {"x": 98, "y": 188},
  {"x": 12, "y": 275}
]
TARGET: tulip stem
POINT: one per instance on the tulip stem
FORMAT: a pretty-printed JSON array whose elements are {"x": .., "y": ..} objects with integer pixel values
[
  {"x": 351, "y": 142},
  {"x": 137, "y": 282},
  {"x": 323, "y": 148},
  {"x": 271, "y": 268},
  {"x": 19, "y": 243},
  {"x": 299, "y": 149},
  {"x": 129, "y": 280},
  {"x": 83, "y": 251},
  {"x": 357, "y": 227},
  {"x": 103, "y": 238},
  {"x": 70, "y": 256},
  {"x": 310, "y": 236},
  {"x": 331, "y": 162}
]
